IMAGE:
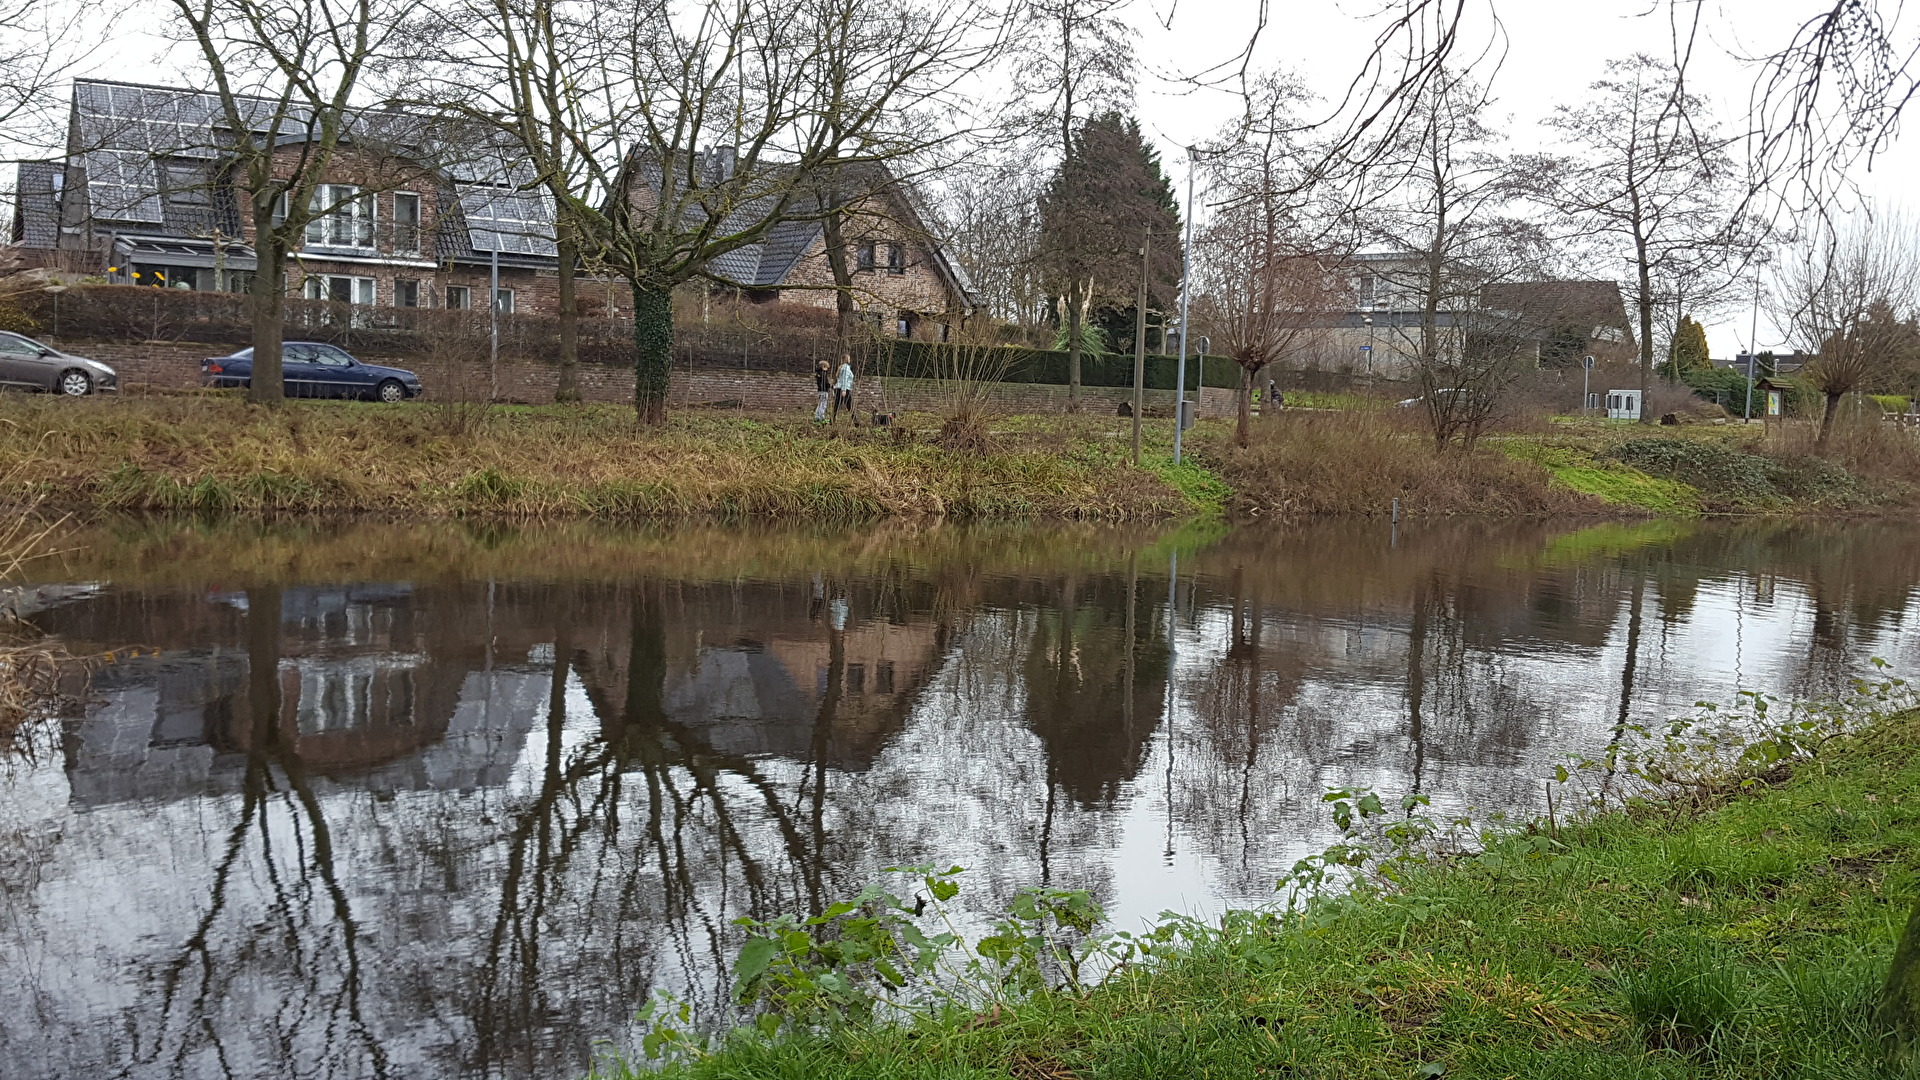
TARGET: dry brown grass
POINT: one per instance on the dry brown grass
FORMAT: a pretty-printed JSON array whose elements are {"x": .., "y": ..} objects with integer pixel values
[
  {"x": 1359, "y": 462},
  {"x": 216, "y": 454},
  {"x": 1861, "y": 443}
]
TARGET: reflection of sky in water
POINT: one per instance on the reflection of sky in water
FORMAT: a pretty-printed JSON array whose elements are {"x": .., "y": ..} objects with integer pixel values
[{"x": 422, "y": 873}]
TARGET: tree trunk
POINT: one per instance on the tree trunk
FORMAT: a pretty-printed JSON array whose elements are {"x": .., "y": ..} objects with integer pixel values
[
  {"x": 1646, "y": 330},
  {"x": 845, "y": 317},
  {"x": 1244, "y": 422},
  {"x": 269, "y": 304},
  {"x": 1826, "y": 418},
  {"x": 652, "y": 350},
  {"x": 1899, "y": 1012},
  {"x": 1073, "y": 346},
  {"x": 568, "y": 389}
]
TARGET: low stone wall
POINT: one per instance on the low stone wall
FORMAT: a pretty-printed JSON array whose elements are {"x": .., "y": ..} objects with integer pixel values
[{"x": 172, "y": 365}]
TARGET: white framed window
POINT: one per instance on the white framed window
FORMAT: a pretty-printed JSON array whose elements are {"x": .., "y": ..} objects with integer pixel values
[
  {"x": 503, "y": 301},
  {"x": 340, "y": 289},
  {"x": 343, "y": 217},
  {"x": 406, "y": 222},
  {"x": 459, "y": 298}
]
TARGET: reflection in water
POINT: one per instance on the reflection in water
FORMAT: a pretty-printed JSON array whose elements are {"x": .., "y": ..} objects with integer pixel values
[{"x": 464, "y": 819}]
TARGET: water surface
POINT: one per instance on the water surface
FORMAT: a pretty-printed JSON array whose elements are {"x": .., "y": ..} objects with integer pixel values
[{"x": 426, "y": 801}]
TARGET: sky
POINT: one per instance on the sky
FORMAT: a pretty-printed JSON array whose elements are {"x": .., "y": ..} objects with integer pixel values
[{"x": 1535, "y": 53}]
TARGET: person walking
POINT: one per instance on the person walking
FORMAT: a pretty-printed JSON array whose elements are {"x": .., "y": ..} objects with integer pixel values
[
  {"x": 823, "y": 390},
  {"x": 843, "y": 388}
]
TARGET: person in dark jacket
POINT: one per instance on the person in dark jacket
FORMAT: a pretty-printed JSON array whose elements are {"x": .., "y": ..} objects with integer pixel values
[{"x": 823, "y": 390}]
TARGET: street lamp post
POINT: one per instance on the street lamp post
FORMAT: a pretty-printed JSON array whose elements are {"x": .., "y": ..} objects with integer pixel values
[
  {"x": 1186, "y": 296},
  {"x": 1367, "y": 318}
]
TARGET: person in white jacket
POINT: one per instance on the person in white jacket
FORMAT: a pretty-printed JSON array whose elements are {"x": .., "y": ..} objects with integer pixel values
[{"x": 843, "y": 388}]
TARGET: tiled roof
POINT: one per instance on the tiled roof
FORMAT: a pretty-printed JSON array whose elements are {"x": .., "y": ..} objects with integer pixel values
[{"x": 36, "y": 206}]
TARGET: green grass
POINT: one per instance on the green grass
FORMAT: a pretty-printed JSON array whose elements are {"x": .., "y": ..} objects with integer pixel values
[
  {"x": 1580, "y": 469},
  {"x": 1744, "y": 937}
]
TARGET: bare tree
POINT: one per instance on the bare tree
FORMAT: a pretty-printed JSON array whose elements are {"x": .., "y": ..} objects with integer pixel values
[
  {"x": 989, "y": 220},
  {"x": 1269, "y": 275},
  {"x": 699, "y": 126},
  {"x": 1843, "y": 297},
  {"x": 1654, "y": 183},
  {"x": 1443, "y": 203},
  {"x": 285, "y": 76}
]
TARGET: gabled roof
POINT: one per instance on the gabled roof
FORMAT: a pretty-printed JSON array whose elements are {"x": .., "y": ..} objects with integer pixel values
[
  {"x": 120, "y": 132},
  {"x": 768, "y": 263},
  {"x": 1576, "y": 303},
  {"x": 36, "y": 213}
]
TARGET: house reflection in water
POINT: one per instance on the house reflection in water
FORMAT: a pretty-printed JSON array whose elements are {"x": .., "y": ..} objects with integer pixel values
[{"x": 361, "y": 693}]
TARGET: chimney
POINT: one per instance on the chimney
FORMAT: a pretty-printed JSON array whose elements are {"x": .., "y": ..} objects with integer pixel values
[{"x": 722, "y": 160}]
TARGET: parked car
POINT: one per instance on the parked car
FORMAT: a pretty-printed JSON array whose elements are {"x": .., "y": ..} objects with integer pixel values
[
  {"x": 1413, "y": 402},
  {"x": 312, "y": 369},
  {"x": 31, "y": 365}
]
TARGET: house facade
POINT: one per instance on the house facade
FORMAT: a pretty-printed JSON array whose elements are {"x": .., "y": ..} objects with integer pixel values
[
  {"x": 144, "y": 196},
  {"x": 409, "y": 216},
  {"x": 1560, "y": 321}
]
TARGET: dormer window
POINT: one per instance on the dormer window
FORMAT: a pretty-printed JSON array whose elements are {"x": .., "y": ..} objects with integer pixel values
[
  {"x": 343, "y": 217},
  {"x": 186, "y": 183}
]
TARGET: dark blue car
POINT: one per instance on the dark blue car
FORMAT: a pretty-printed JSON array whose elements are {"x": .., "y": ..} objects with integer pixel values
[{"x": 311, "y": 369}]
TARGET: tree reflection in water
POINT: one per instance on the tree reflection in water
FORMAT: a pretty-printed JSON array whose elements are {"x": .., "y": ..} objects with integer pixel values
[{"x": 464, "y": 824}]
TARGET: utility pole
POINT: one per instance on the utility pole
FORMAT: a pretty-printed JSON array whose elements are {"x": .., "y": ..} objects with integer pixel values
[
  {"x": 1140, "y": 347},
  {"x": 1186, "y": 327}
]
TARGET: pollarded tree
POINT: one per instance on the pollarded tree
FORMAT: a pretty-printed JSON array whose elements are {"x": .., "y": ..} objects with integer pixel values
[
  {"x": 1848, "y": 297},
  {"x": 1106, "y": 196}
]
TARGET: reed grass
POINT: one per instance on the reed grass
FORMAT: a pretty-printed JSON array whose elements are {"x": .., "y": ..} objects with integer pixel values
[{"x": 209, "y": 454}]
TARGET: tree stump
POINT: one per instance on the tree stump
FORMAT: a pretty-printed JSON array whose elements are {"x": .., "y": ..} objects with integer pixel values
[{"x": 1899, "y": 1013}]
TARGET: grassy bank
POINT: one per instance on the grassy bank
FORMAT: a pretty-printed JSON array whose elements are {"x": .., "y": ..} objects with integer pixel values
[
  {"x": 1359, "y": 461},
  {"x": 1741, "y": 930},
  {"x": 214, "y": 454},
  {"x": 217, "y": 454}
]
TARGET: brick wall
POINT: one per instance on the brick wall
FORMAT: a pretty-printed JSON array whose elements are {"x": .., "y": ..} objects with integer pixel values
[{"x": 173, "y": 365}]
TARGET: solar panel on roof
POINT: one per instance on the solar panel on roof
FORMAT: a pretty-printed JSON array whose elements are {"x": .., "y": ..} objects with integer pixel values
[{"x": 511, "y": 222}]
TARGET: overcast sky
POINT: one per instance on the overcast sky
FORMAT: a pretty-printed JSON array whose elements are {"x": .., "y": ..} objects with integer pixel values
[{"x": 1547, "y": 52}]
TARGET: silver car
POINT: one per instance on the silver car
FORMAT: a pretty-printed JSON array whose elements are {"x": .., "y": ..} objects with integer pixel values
[{"x": 27, "y": 364}]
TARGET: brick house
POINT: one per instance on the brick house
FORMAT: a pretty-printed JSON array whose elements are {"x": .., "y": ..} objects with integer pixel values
[
  {"x": 419, "y": 219},
  {"x": 143, "y": 197},
  {"x": 904, "y": 283}
]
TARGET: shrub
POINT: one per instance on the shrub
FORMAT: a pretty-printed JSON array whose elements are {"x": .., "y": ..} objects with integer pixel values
[{"x": 1713, "y": 467}]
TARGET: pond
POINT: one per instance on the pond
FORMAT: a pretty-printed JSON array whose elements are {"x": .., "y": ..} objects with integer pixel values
[{"x": 411, "y": 801}]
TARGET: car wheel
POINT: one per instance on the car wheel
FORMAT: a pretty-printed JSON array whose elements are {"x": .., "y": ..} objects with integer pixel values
[
  {"x": 75, "y": 384},
  {"x": 391, "y": 390}
]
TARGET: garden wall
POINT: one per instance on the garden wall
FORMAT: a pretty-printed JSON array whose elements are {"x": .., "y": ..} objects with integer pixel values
[{"x": 174, "y": 365}]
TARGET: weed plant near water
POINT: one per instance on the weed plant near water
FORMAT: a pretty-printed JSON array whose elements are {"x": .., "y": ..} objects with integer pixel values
[{"x": 1714, "y": 897}]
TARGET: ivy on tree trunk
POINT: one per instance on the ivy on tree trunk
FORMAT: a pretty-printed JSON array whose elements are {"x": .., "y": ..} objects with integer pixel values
[
  {"x": 1899, "y": 1013},
  {"x": 652, "y": 350}
]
